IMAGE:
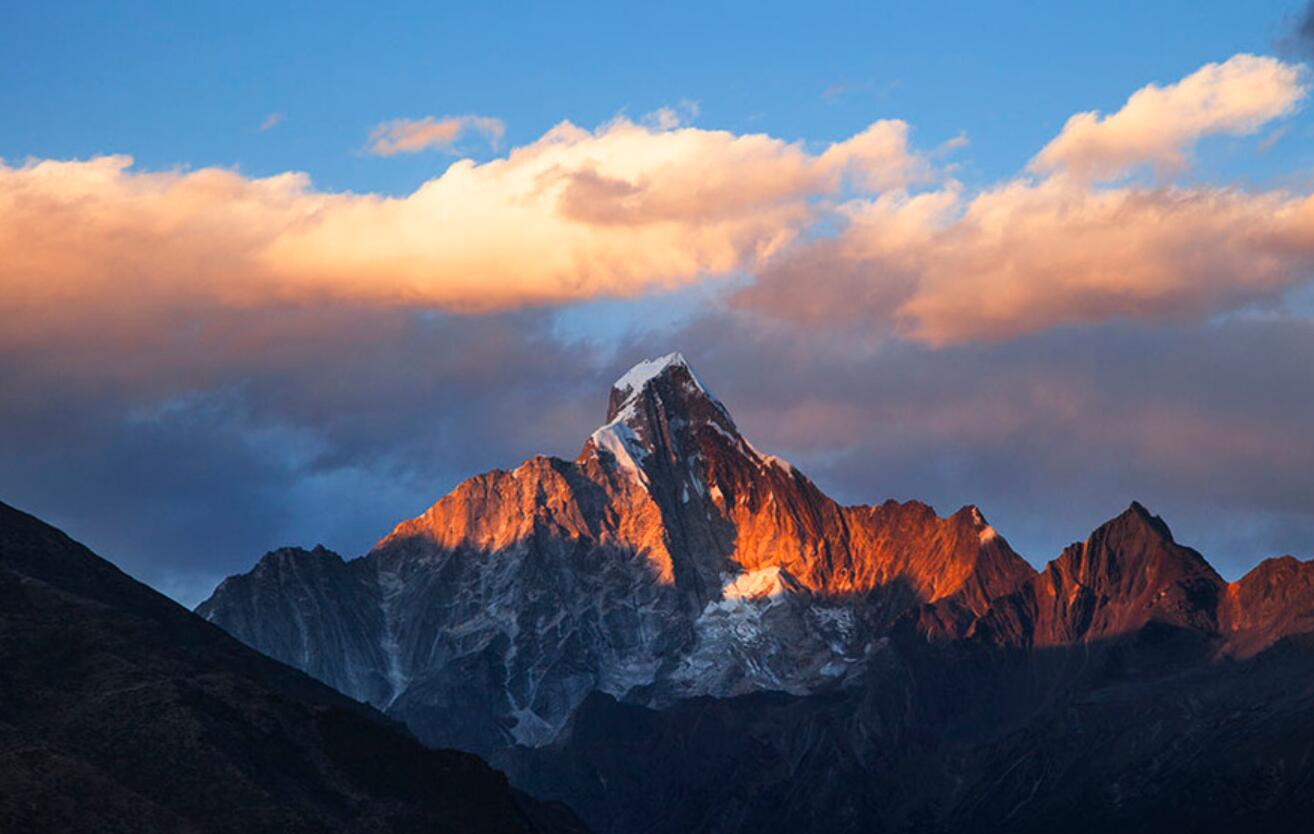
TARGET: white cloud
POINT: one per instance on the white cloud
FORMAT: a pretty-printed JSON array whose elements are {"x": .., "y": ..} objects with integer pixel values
[
  {"x": 574, "y": 215},
  {"x": 1159, "y": 125}
]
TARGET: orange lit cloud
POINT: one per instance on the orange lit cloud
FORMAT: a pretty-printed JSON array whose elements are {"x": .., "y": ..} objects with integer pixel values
[
  {"x": 630, "y": 207},
  {"x": 1027, "y": 256},
  {"x": 1158, "y": 125},
  {"x": 945, "y": 266},
  {"x": 574, "y": 215},
  {"x": 415, "y": 135}
]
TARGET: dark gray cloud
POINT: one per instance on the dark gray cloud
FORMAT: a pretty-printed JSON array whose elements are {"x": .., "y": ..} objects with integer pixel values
[
  {"x": 185, "y": 454},
  {"x": 183, "y": 457},
  {"x": 1298, "y": 40}
]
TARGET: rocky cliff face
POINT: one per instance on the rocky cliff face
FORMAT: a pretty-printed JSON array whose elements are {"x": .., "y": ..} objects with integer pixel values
[
  {"x": 1128, "y": 574},
  {"x": 670, "y": 559},
  {"x": 676, "y": 632}
]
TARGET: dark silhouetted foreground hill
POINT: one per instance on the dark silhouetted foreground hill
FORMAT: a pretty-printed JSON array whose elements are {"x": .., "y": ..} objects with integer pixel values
[{"x": 122, "y": 712}]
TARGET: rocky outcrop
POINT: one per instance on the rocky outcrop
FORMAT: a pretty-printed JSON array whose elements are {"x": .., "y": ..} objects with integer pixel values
[
  {"x": 323, "y": 613},
  {"x": 1273, "y": 601},
  {"x": 1128, "y": 574}
]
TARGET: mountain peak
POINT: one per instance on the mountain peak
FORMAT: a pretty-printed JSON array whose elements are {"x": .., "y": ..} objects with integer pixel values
[
  {"x": 671, "y": 370},
  {"x": 635, "y": 378},
  {"x": 654, "y": 408},
  {"x": 1136, "y": 515}
]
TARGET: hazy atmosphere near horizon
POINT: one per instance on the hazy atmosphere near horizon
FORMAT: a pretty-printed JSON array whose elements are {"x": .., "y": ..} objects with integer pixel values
[{"x": 275, "y": 275}]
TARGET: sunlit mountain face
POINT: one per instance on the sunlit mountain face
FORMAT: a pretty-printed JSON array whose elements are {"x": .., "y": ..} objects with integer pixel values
[
  {"x": 569, "y": 619},
  {"x": 675, "y": 419}
]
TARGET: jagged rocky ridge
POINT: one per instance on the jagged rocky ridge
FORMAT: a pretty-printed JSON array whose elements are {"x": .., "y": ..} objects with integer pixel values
[
  {"x": 577, "y": 620},
  {"x": 670, "y": 559}
]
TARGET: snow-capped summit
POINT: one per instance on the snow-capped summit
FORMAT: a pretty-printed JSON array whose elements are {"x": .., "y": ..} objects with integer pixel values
[
  {"x": 632, "y": 383},
  {"x": 671, "y": 376},
  {"x": 655, "y": 413},
  {"x": 638, "y": 376}
]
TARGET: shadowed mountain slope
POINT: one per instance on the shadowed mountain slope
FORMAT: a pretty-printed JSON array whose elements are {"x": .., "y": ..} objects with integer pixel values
[{"x": 121, "y": 711}]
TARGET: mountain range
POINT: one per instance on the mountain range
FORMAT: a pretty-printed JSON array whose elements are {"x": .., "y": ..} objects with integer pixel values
[{"x": 676, "y": 632}]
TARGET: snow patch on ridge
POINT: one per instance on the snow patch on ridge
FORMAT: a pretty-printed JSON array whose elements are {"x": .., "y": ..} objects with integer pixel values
[
  {"x": 530, "y": 728},
  {"x": 649, "y": 369},
  {"x": 390, "y": 586},
  {"x": 766, "y": 633},
  {"x": 985, "y": 532},
  {"x": 769, "y": 460},
  {"x": 620, "y": 440},
  {"x": 762, "y": 584},
  {"x": 633, "y": 381}
]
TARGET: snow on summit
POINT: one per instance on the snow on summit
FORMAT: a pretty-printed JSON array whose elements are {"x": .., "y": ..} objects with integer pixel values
[
  {"x": 644, "y": 372},
  {"x": 635, "y": 378}
]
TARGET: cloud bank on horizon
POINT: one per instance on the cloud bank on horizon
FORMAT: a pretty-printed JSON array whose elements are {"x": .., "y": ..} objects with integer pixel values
[{"x": 303, "y": 343}]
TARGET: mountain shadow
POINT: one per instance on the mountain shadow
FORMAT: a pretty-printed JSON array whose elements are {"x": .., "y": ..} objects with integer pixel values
[{"x": 966, "y": 737}]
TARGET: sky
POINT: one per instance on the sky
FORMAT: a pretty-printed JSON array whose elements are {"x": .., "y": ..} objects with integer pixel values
[{"x": 277, "y": 275}]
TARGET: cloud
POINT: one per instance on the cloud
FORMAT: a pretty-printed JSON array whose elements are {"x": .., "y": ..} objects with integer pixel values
[
  {"x": 1266, "y": 144},
  {"x": 415, "y": 135},
  {"x": 945, "y": 266},
  {"x": 866, "y": 232},
  {"x": 835, "y": 90},
  {"x": 575, "y": 215},
  {"x": 670, "y": 118},
  {"x": 1158, "y": 125},
  {"x": 271, "y": 121},
  {"x": 184, "y": 450}
]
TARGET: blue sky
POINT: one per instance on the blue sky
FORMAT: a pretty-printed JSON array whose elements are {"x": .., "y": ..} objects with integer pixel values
[
  {"x": 220, "y": 360},
  {"x": 190, "y": 84}
]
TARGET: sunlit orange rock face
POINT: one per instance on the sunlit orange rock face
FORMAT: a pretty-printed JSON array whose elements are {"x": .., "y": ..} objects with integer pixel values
[
  {"x": 1127, "y": 574},
  {"x": 1274, "y": 600},
  {"x": 1130, "y": 574},
  {"x": 670, "y": 477},
  {"x": 581, "y": 503},
  {"x": 671, "y": 559}
]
